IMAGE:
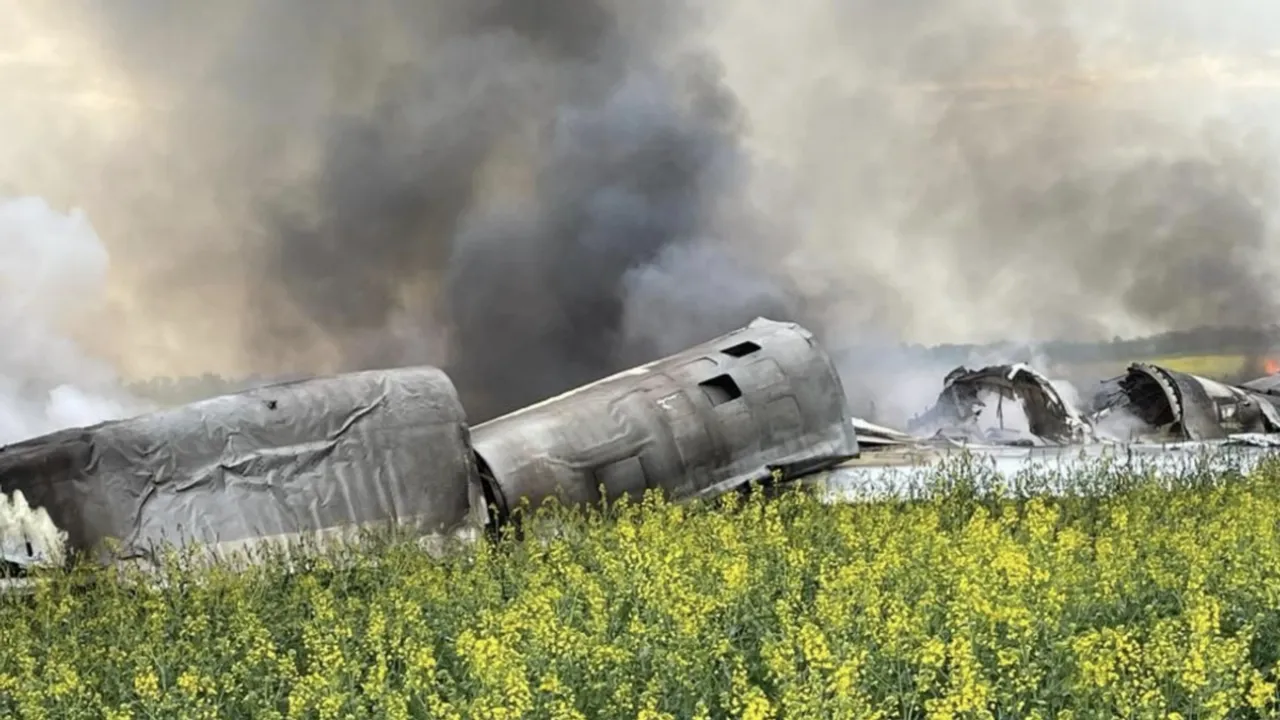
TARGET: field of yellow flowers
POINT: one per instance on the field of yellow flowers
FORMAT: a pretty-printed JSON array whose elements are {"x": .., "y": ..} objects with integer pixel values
[{"x": 1155, "y": 599}]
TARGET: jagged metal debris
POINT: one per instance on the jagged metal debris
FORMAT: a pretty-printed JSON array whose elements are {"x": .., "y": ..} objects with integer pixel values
[
  {"x": 1151, "y": 420},
  {"x": 1156, "y": 403},
  {"x": 1005, "y": 404},
  {"x": 1016, "y": 405},
  {"x": 324, "y": 457}
]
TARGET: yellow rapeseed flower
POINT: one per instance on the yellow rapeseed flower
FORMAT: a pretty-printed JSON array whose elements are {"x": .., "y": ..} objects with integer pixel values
[{"x": 147, "y": 685}]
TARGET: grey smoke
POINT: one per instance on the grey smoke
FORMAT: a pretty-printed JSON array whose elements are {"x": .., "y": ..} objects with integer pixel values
[
  {"x": 533, "y": 194},
  {"x": 979, "y": 171},
  {"x": 508, "y": 176},
  {"x": 974, "y": 171},
  {"x": 569, "y": 290}
]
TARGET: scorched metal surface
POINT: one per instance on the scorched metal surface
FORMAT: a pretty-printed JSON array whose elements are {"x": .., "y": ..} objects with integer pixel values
[{"x": 700, "y": 422}]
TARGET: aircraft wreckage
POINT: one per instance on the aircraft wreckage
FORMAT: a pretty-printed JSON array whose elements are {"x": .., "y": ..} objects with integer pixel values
[
  {"x": 1021, "y": 425},
  {"x": 326, "y": 457},
  {"x": 1017, "y": 405}
]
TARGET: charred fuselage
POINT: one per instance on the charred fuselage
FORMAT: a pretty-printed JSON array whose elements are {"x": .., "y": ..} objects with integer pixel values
[
  {"x": 1180, "y": 406},
  {"x": 1149, "y": 403}
]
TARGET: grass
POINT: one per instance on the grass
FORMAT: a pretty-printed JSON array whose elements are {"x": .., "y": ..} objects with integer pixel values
[
  {"x": 1142, "y": 597},
  {"x": 1219, "y": 367},
  {"x": 1212, "y": 366}
]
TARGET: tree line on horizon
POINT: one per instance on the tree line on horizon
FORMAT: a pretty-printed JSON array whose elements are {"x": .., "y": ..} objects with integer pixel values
[{"x": 1249, "y": 342}]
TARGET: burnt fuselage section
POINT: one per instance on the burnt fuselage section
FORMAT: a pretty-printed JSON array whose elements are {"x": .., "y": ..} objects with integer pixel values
[
  {"x": 1009, "y": 404},
  {"x": 1167, "y": 404},
  {"x": 1016, "y": 405},
  {"x": 762, "y": 400}
]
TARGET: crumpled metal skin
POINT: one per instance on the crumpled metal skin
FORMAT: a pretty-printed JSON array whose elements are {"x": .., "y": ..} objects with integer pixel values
[
  {"x": 1051, "y": 419},
  {"x": 322, "y": 457},
  {"x": 299, "y": 459}
]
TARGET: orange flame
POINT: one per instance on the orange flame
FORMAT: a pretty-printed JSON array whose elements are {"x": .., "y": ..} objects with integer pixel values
[{"x": 1271, "y": 366}]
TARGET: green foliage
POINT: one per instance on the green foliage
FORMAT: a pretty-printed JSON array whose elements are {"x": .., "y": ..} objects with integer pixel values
[
  {"x": 1231, "y": 353},
  {"x": 1130, "y": 597}
]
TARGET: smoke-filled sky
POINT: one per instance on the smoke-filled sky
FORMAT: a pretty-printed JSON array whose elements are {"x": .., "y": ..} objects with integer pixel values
[{"x": 533, "y": 194}]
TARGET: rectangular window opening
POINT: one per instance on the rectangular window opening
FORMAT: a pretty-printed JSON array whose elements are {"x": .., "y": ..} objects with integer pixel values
[
  {"x": 720, "y": 389},
  {"x": 742, "y": 349}
]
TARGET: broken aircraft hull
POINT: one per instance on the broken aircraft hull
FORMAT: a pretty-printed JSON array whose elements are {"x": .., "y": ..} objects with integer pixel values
[
  {"x": 963, "y": 408},
  {"x": 764, "y": 398},
  {"x": 1148, "y": 404},
  {"x": 1188, "y": 407},
  {"x": 324, "y": 457},
  {"x": 289, "y": 461}
]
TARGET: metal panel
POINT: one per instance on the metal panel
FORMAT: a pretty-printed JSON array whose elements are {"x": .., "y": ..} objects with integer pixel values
[
  {"x": 623, "y": 477},
  {"x": 785, "y": 418},
  {"x": 697, "y": 449}
]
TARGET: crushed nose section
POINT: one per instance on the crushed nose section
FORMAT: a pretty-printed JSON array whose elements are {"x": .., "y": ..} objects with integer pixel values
[
  {"x": 1006, "y": 404},
  {"x": 1154, "y": 402},
  {"x": 762, "y": 402}
]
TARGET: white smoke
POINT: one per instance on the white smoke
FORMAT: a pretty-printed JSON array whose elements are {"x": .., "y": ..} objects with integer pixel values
[
  {"x": 53, "y": 272},
  {"x": 1000, "y": 412},
  {"x": 28, "y": 535}
]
